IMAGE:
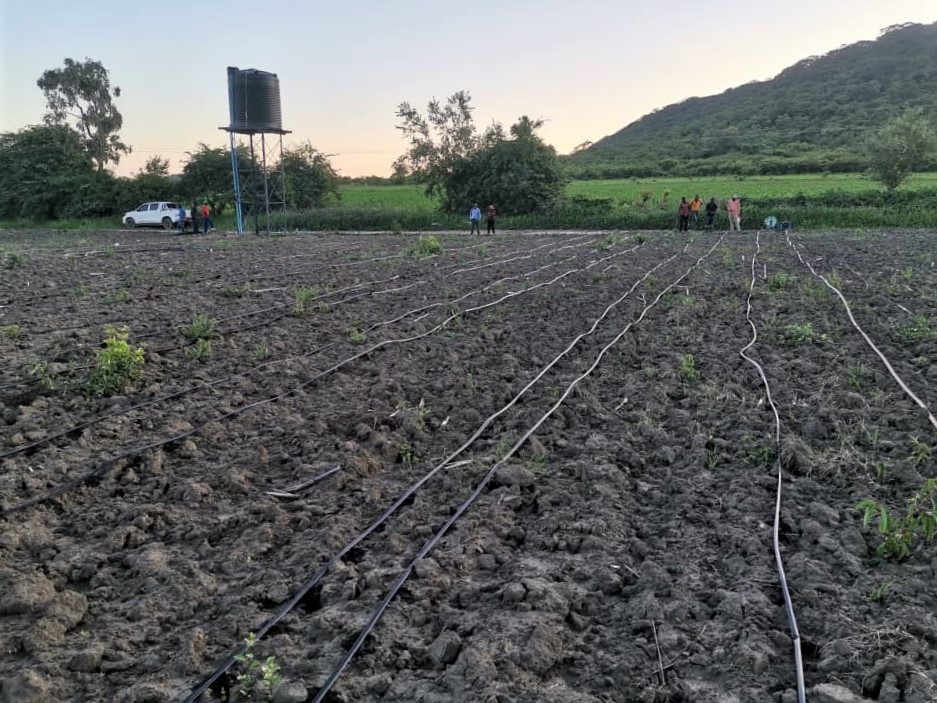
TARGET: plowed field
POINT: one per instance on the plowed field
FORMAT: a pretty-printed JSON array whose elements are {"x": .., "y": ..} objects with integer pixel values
[{"x": 532, "y": 467}]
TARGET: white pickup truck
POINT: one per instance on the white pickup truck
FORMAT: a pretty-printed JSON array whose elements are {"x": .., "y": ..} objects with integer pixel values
[{"x": 161, "y": 214}]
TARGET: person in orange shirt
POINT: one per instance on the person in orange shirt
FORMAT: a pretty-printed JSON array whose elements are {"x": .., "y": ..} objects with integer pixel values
[
  {"x": 695, "y": 206},
  {"x": 206, "y": 218}
]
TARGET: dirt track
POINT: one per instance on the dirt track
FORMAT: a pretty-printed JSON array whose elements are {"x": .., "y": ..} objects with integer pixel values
[{"x": 622, "y": 553}]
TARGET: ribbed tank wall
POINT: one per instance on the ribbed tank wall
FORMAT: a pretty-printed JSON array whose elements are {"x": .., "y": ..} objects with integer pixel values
[{"x": 255, "y": 97}]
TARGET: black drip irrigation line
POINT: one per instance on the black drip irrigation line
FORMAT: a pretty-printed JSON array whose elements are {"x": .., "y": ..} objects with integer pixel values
[
  {"x": 153, "y": 333},
  {"x": 268, "y": 321},
  {"x": 178, "y": 394},
  {"x": 106, "y": 463},
  {"x": 868, "y": 340},
  {"x": 181, "y": 326},
  {"x": 779, "y": 562},
  {"x": 154, "y": 401},
  {"x": 378, "y": 612},
  {"x": 289, "y": 605}
]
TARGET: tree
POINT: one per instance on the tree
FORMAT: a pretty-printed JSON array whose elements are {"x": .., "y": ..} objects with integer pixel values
[
  {"x": 438, "y": 142},
  {"x": 81, "y": 91},
  {"x": 43, "y": 169},
  {"x": 900, "y": 147},
  {"x": 310, "y": 178},
  {"x": 514, "y": 170},
  {"x": 518, "y": 173},
  {"x": 207, "y": 175},
  {"x": 155, "y": 166}
]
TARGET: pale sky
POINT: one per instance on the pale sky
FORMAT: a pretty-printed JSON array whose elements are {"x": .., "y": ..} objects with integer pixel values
[{"x": 587, "y": 67}]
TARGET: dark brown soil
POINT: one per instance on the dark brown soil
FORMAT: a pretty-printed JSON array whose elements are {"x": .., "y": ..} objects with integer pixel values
[{"x": 622, "y": 553}]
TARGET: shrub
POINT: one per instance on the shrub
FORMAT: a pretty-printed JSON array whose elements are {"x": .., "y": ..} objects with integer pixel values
[
  {"x": 116, "y": 365},
  {"x": 425, "y": 246}
]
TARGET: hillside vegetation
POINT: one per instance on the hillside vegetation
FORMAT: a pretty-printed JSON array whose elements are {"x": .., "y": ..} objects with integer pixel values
[{"x": 810, "y": 118}]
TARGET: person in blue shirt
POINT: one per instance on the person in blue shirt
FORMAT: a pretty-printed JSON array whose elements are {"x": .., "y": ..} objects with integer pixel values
[
  {"x": 181, "y": 223},
  {"x": 475, "y": 217}
]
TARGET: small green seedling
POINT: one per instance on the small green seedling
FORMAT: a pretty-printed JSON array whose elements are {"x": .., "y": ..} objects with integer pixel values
[
  {"x": 302, "y": 296},
  {"x": 406, "y": 453},
  {"x": 920, "y": 453},
  {"x": 778, "y": 281},
  {"x": 202, "y": 327},
  {"x": 879, "y": 592},
  {"x": 198, "y": 352},
  {"x": 257, "y": 677},
  {"x": 898, "y": 533},
  {"x": 795, "y": 335},
  {"x": 11, "y": 331},
  {"x": 918, "y": 330},
  {"x": 688, "y": 370},
  {"x": 357, "y": 336}
]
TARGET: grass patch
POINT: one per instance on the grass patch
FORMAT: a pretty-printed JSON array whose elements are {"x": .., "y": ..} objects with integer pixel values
[
  {"x": 301, "y": 299},
  {"x": 918, "y": 330}
]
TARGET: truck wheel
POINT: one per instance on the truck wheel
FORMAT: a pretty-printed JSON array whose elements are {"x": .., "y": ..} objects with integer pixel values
[
  {"x": 129, "y": 222},
  {"x": 167, "y": 223}
]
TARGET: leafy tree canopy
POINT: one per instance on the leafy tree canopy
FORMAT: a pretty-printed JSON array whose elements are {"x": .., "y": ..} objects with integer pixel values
[
  {"x": 900, "y": 147},
  {"x": 310, "y": 178},
  {"x": 80, "y": 93},
  {"x": 207, "y": 176},
  {"x": 41, "y": 167},
  {"x": 516, "y": 171}
]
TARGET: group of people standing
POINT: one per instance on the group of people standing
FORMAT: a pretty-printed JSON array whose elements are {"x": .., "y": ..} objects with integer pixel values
[
  {"x": 475, "y": 218},
  {"x": 689, "y": 212},
  {"x": 200, "y": 217}
]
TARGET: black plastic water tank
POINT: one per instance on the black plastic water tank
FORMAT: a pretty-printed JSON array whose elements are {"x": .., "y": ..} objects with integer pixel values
[{"x": 256, "y": 101}]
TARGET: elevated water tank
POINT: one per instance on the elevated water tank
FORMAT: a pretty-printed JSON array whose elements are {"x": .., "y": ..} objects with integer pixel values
[{"x": 254, "y": 100}]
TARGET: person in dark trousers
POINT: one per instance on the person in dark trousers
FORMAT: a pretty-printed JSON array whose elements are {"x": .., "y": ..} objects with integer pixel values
[
  {"x": 695, "y": 206},
  {"x": 711, "y": 209},
  {"x": 683, "y": 213},
  {"x": 181, "y": 223},
  {"x": 475, "y": 217},
  {"x": 207, "y": 224},
  {"x": 196, "y": 218},
  {"x": 491, "y": 219}
]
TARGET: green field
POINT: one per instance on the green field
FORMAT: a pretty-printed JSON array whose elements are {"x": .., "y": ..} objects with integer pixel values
[
  {"x": 810, "y": 201},
  {"x": 408, "y": 197},
  {"x": 724, "y": 187},
  {"x": 628, "y": 191}
]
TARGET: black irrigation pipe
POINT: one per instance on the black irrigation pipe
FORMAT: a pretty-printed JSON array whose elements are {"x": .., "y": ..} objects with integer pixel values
[
  {"x": 779, "y": 562},
  {"x": 237, "y": 330},
  {"x": 189, "y": 282},
  {"x": 282, "y": 306},
  {"x": 219, "y": 382},
  {"x": 868, "y": 340},
  {"x": 286, "y": 607},
  {"x": 152, "y": 333},
  {"x": 154, "y": 401},
  {"x": 106, "y": 463},
  {"x": 378, "y": 612}
]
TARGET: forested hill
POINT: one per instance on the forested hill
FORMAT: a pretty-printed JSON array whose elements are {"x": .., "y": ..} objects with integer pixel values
[{"x": 810, "y": 118}]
